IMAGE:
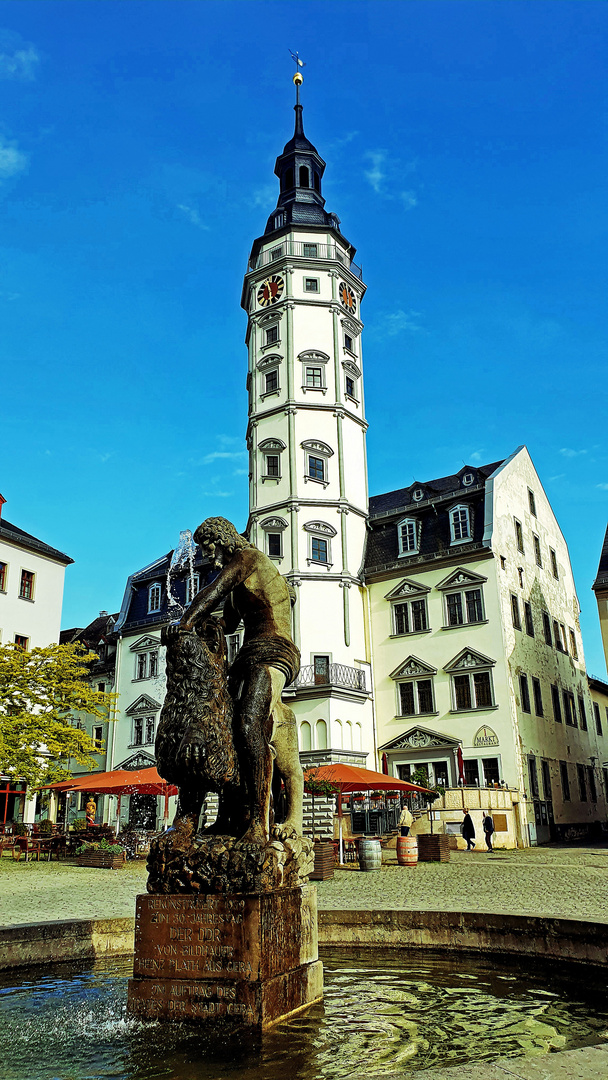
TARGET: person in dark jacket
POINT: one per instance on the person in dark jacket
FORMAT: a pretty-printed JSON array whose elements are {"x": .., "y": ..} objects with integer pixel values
[
  {"x": 468, "y": 829},
  {"x": 488, "y": 829}
]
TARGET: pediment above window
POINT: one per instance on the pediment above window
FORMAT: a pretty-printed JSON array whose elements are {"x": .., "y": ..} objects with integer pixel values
[
  {"x": 317, "y": 446},
  {"x": 468, "y": 660},
  {"x": 144, "y": 643},
  {"x": 271, "y": 316},
  {"x": 412, "y": 668},
  {"x": 350, "y": 327},
  {"x": 406, "y": 589},
  {"x": 273, "y": 523},
  {"x": 309, "y": 355},
  {"x": 137, "y": 761},
  {"x": 320, "y": 527},
  {"x": 143, "y": 704},
  {"x": 272, "y": 444},
  {"x": 351, "y": 368},
  {"x": 419, "y": 738},
  {"x": 461, "y": 579},
  {"x": 269, "y": 361}
]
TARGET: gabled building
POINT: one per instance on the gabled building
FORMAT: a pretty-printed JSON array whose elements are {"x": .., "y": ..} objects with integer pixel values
[
  {"x": 476, "y": 645},
  {"x": 600, "y": 588}
]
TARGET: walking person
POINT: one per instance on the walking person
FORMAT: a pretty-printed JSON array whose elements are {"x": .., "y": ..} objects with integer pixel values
[
  {"x": 468, "y": 829},
  {"x": 488, "y": 829},
  {"x": 405, "y": 821}
]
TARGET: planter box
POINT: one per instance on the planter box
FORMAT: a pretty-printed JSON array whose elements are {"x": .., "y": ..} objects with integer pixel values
[
  {"x": 102, "y": 860},
  {"x": 324, "y": 862},
  {"x": 433, "y": 848}
]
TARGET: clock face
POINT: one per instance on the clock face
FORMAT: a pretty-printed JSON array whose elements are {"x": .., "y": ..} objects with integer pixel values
[
  {"x": 270, "y": 290},
  {"x": 347, "y": 297}
]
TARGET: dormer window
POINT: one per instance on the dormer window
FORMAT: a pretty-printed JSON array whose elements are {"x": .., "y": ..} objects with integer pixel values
[
  {"x": 279, "y": 220},
  {"x": 408, "y": 536},
  {"x": 468, "y": 479},
  {"x": 154, "y": 595},
  {"x": 418, "y": 494},
  {"x": 316, "y": 181},
  {"x": 460, "y": 525},
  {"x": 288, "y": 179},
  {"x": 304, "y": 176}
]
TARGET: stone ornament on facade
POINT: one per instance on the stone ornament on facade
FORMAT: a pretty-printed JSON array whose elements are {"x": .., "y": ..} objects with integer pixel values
[
  {"x": 461, "y": 578},
  {"x": 468, "y": 659},
  {"x": 419, "y": 739},
  {"x": 407, "y": 588},
  {"x": 411, "y": 667},
  {"x": 320, "y": 527}
]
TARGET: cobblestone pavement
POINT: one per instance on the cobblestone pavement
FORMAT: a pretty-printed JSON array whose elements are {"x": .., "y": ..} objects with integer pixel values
[{"x": 567, "y": 882}]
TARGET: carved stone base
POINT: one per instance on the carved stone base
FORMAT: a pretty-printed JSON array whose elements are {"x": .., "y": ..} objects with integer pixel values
[
  {"x": 179, "y": 863},
  {"x": 245, "y": 959}
]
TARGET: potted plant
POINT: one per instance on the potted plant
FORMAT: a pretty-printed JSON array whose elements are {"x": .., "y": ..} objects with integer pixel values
[{"x": 102, "y": 854}]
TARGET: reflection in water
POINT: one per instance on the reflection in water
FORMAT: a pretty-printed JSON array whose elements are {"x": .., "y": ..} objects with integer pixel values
[{"x": 393, "y": 1013}]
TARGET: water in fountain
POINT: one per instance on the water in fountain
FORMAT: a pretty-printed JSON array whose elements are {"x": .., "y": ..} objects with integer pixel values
[
  {"x": 182, "y": 557},
  {"x": 397, "y": 1012}
]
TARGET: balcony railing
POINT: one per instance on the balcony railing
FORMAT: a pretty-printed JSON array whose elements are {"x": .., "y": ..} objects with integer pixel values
[
  {"x": 349, "y": 678},
  {"x": 300, "y": 250}
]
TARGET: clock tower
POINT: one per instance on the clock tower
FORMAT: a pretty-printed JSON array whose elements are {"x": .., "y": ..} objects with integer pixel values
[{"x": 306, "y": 437}]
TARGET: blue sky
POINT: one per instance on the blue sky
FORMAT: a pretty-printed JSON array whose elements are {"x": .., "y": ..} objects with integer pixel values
[{"x": 466, "y": 157}]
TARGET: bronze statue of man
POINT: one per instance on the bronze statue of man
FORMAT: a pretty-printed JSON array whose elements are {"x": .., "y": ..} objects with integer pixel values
[{"x": 264, "y": 728}]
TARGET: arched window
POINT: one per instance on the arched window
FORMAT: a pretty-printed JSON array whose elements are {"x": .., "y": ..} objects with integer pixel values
[
  {"x": 288, "y": 179},
  {"x": 337, "y": 739},
  {"x": 305, "y": 736},
  {"x": 321, "y": 733},
  {"x": 349, "y": 736},
  {"x": 358, "y": 737},
  {"x": 316, "y": 181},
  {"x": 304, "y": 176}
]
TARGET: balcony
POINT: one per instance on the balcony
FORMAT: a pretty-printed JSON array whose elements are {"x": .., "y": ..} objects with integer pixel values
[
  {"x": 335, "y": 675},
  {"x": 300, "y": 250}
]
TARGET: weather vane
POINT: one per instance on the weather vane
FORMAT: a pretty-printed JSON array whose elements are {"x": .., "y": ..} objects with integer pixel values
[{"x": 298, "y": 77}]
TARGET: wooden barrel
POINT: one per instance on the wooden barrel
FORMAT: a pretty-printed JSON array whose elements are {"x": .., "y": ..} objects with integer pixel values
[
  {"x": 370, "y": 853},
  {"x": 407, "y": 850}
]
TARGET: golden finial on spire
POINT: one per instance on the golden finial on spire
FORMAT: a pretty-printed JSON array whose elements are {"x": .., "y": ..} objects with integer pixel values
[{"x": 298, "y": 78}]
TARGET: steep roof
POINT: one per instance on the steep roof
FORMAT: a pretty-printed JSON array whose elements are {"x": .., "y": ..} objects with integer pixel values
[
  {"x": 14, "y": 535},
  {"x": 601, "y": 581},
  {"x": 393, "y": 501}
]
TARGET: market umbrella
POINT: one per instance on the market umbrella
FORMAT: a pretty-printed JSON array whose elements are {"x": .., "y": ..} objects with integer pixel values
[
  {"x": 349, "y": 778},
  {"x": 120, "y": 782}
]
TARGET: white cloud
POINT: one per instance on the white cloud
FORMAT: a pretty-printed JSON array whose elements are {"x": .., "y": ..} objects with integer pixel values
[
  {"x": 193, "y": 215},
  {"x": 476, "y": 455},
  {"x": 265, "y": 196},
  {"x": 567, "y": 452},
  {"x": 12, "y": 160},
  {"x": 602, "y": 487},
  {"x": 408, "y": 199},
  {"x": 217, "y": 494},
  {"x": 396, "y": 322},
  {"x": 376, "y": 175},
  {"x": 19, "y": 64},
  {"x": 226, "y": 455}
]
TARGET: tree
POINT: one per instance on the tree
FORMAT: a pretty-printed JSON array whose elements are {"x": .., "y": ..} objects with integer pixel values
[{"x": 39, "y": 692}]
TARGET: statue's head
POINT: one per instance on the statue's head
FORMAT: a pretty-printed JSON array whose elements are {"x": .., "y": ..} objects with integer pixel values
[{"x": 219, "y": 540}]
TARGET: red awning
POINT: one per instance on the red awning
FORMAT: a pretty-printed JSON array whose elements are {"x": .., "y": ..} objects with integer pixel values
[
  {"x": 119, "y": 782},
  {"x": 350, "y": 778}
]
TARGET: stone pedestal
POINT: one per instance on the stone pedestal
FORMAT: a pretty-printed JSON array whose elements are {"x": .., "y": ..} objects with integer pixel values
[{"x": 248, "y": 958}]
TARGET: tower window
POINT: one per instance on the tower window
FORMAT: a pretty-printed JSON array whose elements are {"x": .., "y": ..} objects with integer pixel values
[
  {"x": 310, "y": 251},
  {"x": 318, "y": 549},
  {"x": 348, "y": 343},
  {"x": 316, "y": 181},
  {"x": 272, "y": 335},
  {"x": 275, "y": 545},
  {"x": 350, "y": 386},
  {"x": 314, "y": 376},
  {"x": 304, "y": 176},
  {"x": 288, "y": 179},
  {"x": 272, "y": 465},
  {"x": 276, "y": 253},
  {"x": 311, "y": 284},
  {"x": 271, "y": 381},
  {"x": 316, "y": 468}
]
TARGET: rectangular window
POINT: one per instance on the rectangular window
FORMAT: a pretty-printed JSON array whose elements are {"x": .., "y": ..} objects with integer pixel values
[
  {"x": 150, "y": 725},
  {"x": 416, "y": 697},
  {"x": 471, "y": 773},
  {"x": 271, "y": 381},
  {"x": 546, "y": 775},
  {"x": 142, "y": 665},
  {"x": 563, "y": 637},
  {"x": 519, "y": 536},
  {"x": 515, "y": 616},
  {"x": 537, "y": 552},
  {"x": 455, "y": 614},
  {"x": 569, "y": 713},
  {"x": 557, "y": 709},
  {"x": 407, "y": 537},
  {"x": 348, "y": 342},
  {"x": 524, "y": 693},
  {"x": 153, "y": 665},
  {"x": 425, "y": 695},
  {"x": 275, "y": 253},
  {"x": 557, "y": 636},
  {"x": 582, "y": 786},
  {"x": 316, "y": 468},
  {"x": 21, "y": 641},
  {"x": 272, "y": 335},
  {"x": 573, "y": 648},
  {"x": 538, "y": 697},
  {"x": 314, "y": 376},
  {"x": 474, "y": 605},
  {"x": 350, "y": 386},
  {"x": 309, "y": 251},
  {"x": 411, "y": 618},
  {"x": 318, "y": 550},
  {"x": 154, "y": 596},
  {"x": 597, "y": 718},
  {"x": 192, "y": 587},
  {"x": 459, "y": 523},
  {"x": 462, "y": 687},
  {"x": 532, "y": 502},
  {"x": 533, "y": 777},
  {"x": 563, "y": 773},
  {"x": 547, "y": 629},
  {"x": 272, "y": 465},
  {"x": 491, "y": 774},
  {"x": 554, "y": 563},
  {"x": 138, "y": 731},
  {"x": 98, "y": 737},
  {"x": 591, "y": 782},
  {"x": 473, "y": 692},
  {"x": 26, "y": 587},
  {"x": 274, "y": 545},
  {"x": 582, "y": 714},
  {"x": 3, "y": 570},
  {"x": 418, "y": 615},
  {"x": 311, "y": 284},
  {"x": 483, "y": 689},
  {"x": 101, "y": 686},
  {"x": 402, "y": 622},
  {"x": 406, "y": 696},
  {"x": 528, "y": 619}
]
